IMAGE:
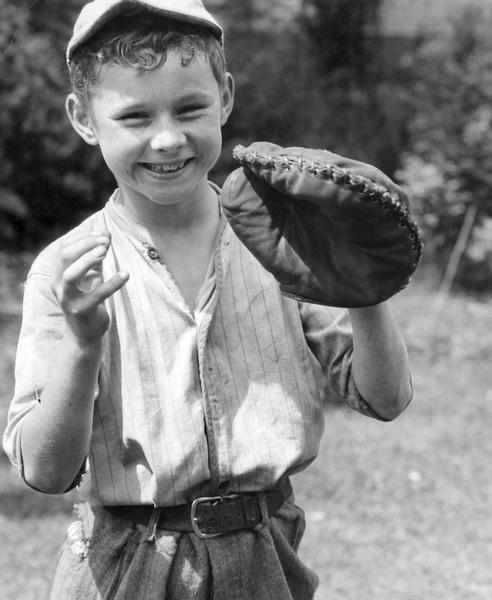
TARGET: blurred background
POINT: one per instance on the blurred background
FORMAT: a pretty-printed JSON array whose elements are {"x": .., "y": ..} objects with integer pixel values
[{"x": 394, "y": 511}]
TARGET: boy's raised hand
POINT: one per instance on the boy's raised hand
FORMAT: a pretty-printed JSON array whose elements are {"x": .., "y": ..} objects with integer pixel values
[{"x": 78, "y": 284}]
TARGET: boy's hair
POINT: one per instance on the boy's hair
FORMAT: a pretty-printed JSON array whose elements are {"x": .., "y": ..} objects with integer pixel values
[{"x": 141, "y": 39}]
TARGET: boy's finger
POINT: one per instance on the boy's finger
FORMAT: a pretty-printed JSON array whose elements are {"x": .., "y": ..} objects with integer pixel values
[
  {"x": 77, "y": 246},
  {"x": 78, "y": 234},
  {"x": 72, "y": 276},
  {"x": 102, "y": 291}
]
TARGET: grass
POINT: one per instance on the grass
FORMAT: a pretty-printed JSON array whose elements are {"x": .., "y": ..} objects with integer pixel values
[
  {"x": 397, "y": 511},
  {"x": 402, "y": 510}
]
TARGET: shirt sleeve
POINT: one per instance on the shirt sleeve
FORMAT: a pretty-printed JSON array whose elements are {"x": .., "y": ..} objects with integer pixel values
[
  {"x": 328, "y": 333},
  {"x": 41, "y": 329}
]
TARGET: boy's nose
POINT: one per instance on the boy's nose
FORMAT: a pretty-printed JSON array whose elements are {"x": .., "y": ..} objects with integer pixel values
[{"x": 167, "y": 138}]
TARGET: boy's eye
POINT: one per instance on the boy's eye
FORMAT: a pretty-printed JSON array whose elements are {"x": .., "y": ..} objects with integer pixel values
[
  {"x": 192, "y": 108},
  {"x": 136, "y": 116}
]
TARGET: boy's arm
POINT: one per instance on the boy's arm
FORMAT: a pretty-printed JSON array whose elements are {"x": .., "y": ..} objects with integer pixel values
[
  {"x": 55, "y": 434},
  {"x": 380, "y": 365},
  {"x": 335, "y": 232}
]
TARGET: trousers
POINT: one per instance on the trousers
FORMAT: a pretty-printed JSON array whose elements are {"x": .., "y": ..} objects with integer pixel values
[{"x": 106, "y": 557}]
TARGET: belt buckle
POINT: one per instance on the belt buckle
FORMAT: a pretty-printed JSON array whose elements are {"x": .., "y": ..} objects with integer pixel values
[{"x": 194, "y": 517}]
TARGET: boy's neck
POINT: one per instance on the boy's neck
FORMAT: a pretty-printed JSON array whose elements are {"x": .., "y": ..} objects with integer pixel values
[
  {"x": 187, "y": 215},
  {"x": 183, "y": 233}
]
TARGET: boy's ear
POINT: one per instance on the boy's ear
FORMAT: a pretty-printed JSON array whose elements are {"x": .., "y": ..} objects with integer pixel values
[
  {"x": 227, "y": 98},
  {"x": 80, "y": 119}
]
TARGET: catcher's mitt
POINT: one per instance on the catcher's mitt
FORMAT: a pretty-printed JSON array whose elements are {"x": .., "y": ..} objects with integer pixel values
[{"x": 331, "y": 230}]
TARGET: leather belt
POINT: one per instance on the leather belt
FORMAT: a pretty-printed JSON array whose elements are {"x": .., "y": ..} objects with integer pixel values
[{"x": 210, "y": 516}]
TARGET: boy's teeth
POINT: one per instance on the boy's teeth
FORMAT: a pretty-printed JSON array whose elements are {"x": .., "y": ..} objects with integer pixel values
[{"x": 165, "y": 168}]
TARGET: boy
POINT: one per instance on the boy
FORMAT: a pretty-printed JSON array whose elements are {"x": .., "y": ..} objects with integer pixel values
[{"x": 154, "y": 344}]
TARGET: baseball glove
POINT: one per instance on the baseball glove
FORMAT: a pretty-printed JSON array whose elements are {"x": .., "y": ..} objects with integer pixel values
[{"x": 331, "y": 230}]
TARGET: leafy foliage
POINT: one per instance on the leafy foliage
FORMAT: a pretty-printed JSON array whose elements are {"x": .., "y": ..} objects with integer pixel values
[
  {"x": 42, "y": 163},
  {"x": 341, "y": 32},
  {"x": 447, "y": 165},
  {"x": 313, "y": 81}
]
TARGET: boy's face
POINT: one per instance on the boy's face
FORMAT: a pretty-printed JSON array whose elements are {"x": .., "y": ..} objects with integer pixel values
[{"x": 159, "y": 130}]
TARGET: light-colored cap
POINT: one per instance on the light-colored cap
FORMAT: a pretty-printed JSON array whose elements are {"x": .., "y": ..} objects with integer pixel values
[{"x": 99, "y": 12}]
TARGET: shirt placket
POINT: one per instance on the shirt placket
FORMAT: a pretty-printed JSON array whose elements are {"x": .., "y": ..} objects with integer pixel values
[{"x": 210, "y": 383}]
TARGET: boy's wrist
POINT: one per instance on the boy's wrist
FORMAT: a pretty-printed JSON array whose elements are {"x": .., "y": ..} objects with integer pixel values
[
  {"x": 366, "y": 310},
  {"x": 90, "y": 346},
  {"x": 369, "y": 314}
]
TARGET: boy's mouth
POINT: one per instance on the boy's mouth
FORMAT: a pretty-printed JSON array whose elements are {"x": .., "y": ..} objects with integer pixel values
[{"x": 162, "y": 168}]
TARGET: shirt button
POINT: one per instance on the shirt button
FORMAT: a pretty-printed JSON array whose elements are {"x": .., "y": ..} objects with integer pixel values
[{"x": 152, "y": 253}]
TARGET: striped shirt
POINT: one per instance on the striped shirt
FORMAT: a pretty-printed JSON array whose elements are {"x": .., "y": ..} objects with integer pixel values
[{"x": 228, "y": 397}]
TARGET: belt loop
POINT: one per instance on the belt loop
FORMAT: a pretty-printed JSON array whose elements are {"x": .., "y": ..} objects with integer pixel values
[
  {"x": 262, "y": 499},
  {"x": 151, "y": 529}
]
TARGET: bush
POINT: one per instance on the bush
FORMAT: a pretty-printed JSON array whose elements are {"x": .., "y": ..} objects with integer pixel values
[
  {"x": 447, "y": 165},
  {"x": 51, "y": 179}
]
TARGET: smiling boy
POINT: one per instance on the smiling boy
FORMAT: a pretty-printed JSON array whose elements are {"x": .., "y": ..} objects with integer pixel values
[
  {"x": 159, "y": 131},
  {"x": 155, "y": 345}
]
